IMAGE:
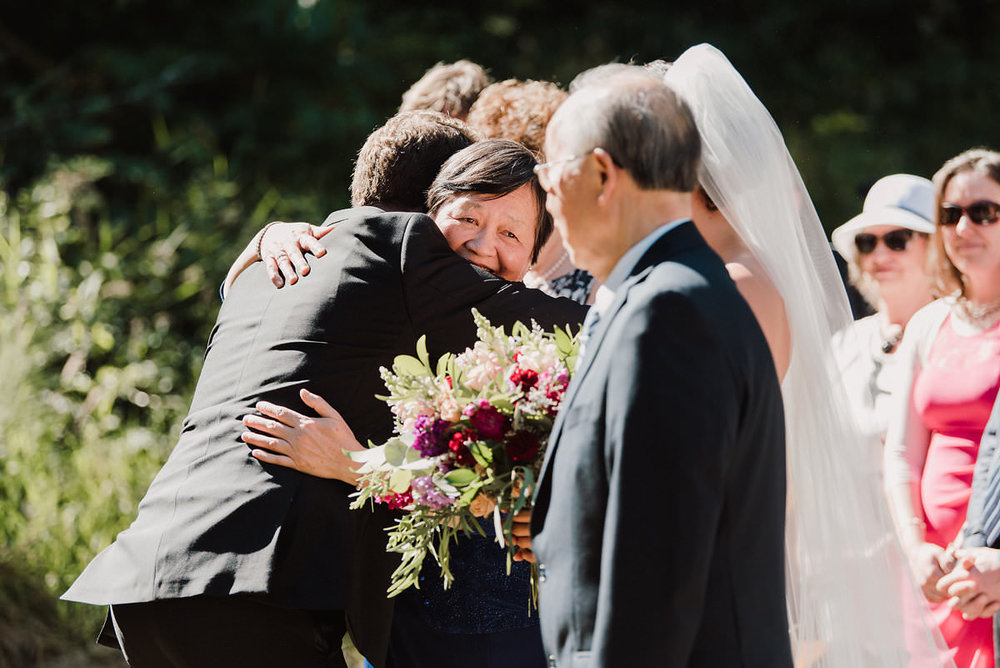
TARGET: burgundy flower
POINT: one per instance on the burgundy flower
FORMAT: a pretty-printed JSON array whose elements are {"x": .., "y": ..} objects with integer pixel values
[
  {"x": 522, "y": 446},
  {"x": 396, "y": 501},
  {"x": 431, "y": 440},
  {"x": 487, "y": 420},
  {"x": 460, "y": 451},
  {"x": 525, "y": 379}
]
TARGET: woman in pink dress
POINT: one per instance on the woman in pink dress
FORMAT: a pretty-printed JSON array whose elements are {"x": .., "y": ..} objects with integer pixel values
[{"x": 950, "y": 374}]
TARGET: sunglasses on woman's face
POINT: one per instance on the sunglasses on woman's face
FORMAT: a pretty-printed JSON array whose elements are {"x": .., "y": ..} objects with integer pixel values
[
  {"x": 979, "y": 213},
  {"x": 894, "y": 241}
]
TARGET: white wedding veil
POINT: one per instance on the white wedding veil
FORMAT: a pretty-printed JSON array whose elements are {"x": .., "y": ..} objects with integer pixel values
[{"x": 846, "y": 576}]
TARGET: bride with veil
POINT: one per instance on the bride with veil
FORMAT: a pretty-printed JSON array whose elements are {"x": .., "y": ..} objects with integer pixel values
[{"x": 847, "y": 582}]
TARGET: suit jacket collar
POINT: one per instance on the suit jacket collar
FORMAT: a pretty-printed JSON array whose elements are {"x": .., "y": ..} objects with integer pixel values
[{"x": 683, "y": 237}]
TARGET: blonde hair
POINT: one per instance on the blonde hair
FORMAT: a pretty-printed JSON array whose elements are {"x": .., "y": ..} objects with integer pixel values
[
  {"x": 947, "y": 277},
  {"x": 450, "y": 88}
]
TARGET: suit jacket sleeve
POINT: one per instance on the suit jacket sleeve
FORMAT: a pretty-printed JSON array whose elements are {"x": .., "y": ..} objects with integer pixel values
[
  {"x": 442, "y": 288},
  {"x": 975, "y": 531},
  {"x": 671, "y": 417}
]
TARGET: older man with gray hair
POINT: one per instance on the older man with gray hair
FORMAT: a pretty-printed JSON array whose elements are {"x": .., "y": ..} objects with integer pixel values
[{"x": 659, "y": 516}]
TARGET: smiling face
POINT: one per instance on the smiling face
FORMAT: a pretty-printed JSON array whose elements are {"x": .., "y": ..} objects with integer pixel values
[
  {"x": 495, "y": 233},
  {"x": 973, "y": 249},
  {"x": 889, "y": 268}
]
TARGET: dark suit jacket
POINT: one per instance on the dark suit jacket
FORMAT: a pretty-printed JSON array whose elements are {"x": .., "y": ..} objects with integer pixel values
[
  {"x": 216, "y": 521},
  {"x": 987, "y": 469},
  {"x": 659, "y": 516}
]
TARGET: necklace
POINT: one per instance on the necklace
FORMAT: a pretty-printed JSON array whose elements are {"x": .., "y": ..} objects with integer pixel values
[
  {"x": 977, "y": 315},
  {"x": 891, "y": 336},
  {"x": 889, "y": 343},
  {"x": 551, "y": 270}
]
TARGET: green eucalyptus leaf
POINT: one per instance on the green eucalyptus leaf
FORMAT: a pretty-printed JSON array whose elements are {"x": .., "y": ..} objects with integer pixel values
[
  {"x": 422, "y": 352},
  {"x": 461, "y": 477},
  {"x": 444, "y": 364},
  {"x": 408, "y": 365},
  {"x": 482, "y": 453},
  {"x": 502, "y": 403},
  {"x": 399, "y": 481},
  {"x": 563, "y": 343},
  {"x": 396, "y": 452}
]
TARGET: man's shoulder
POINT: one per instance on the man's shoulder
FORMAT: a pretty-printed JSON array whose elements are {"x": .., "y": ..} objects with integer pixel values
[{"x": 375, "y": 217}]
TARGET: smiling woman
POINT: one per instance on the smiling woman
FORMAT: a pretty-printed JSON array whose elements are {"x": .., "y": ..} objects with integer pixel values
[
  {"x": 950, "y": 374},
  {"x": 488, "y": 204}
]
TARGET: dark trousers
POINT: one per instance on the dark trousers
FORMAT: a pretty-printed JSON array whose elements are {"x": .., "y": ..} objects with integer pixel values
[{"x": 225, "y": 631}]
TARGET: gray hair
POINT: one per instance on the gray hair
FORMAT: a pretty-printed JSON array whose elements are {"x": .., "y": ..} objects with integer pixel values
[
  {"x": 645, "y": 127},
  {"x": 601, "y": 74}
]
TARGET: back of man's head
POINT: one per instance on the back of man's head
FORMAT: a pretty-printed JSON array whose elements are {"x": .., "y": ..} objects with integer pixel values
[
  {"x": 399, "y": 160},
  {"x": 449, "y": 88},
  {"x": 642, "y": 124}
]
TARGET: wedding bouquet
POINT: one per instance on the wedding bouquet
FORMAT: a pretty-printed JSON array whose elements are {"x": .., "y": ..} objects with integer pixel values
[{"x": 471, "y": 433}]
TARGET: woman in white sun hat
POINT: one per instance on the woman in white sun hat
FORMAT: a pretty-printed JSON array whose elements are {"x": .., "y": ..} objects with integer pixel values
[{"x": 886, "y": 250}]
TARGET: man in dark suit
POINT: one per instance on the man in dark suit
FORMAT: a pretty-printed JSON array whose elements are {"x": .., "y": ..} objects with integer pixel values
[
  {"x": 232, "y": 562},
  {"x": 658, "y": 523},
  {"x": 973, "y": 584}
]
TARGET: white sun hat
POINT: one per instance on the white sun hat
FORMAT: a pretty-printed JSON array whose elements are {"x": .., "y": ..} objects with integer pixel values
[{"x": 901, "y": 200}]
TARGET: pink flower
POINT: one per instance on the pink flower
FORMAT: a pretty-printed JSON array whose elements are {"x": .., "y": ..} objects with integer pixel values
[
  {"x": 481, "y": 366},
  {"x": 446, "y": 404},
  {"x": 411, "y": 410}
]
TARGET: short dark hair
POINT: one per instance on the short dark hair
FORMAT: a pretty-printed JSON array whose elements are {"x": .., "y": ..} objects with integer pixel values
[
  {"x": 947, "y": 277},
  {"x": 646, "y": 128},
  {"x": 399, "y": 160},
  {"x": 518, "y": 110},
  {"x": 449, "y": 88},
  {"x": 492, "y": 167}
]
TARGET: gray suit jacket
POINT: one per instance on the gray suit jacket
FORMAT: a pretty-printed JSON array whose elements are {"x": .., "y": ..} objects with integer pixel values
[
  {"x": 659, "y": 515},
  {"x": 216, "y": 521},
  {"x": 987, "y": 469}
]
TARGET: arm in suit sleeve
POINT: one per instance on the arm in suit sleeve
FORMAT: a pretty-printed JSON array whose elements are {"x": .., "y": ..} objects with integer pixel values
[
  {"x": 441, "y": 289},
  {"x": 974, "y": 529},
  {"x": 672, "y": 411}
]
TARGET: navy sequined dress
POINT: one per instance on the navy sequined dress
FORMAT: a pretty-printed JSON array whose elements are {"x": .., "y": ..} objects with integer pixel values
[{"x": 485, "y": 618}]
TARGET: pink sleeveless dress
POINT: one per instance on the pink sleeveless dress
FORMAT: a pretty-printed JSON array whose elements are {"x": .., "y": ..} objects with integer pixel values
[{"x": 954, "y": 395}]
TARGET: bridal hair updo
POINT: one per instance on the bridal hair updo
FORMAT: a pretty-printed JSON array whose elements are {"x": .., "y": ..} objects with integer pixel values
[
  {"x": 948, "y": 279},
  {"x": 491, "y": 168},
  {"x": 399, "y": 160}
]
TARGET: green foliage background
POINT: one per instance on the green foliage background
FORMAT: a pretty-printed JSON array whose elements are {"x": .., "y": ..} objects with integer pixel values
[{"x": 141, "y": 144}]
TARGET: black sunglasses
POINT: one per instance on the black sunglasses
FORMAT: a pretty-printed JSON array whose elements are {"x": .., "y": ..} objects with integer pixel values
[
  {"x": 979, "y": 213},
  {"x": 894, "y": 241}
]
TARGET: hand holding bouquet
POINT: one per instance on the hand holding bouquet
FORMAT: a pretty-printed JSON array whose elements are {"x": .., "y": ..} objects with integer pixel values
[{"x": 471, "y": 434}]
